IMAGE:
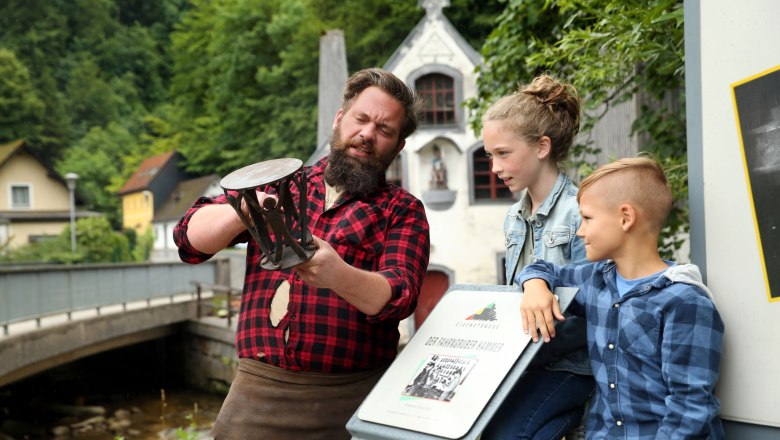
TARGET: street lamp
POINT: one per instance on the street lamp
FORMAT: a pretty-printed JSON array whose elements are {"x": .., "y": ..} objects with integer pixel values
[{"x": 71, "y": 179}]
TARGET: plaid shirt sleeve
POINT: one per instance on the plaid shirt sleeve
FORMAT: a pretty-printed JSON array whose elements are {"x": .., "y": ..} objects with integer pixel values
[
  {"x": 187, "y": 253},
  {"x": 405, "y": 260},
  {"x": 569, "y": 275},
  {"x": 691, "y": 344}
]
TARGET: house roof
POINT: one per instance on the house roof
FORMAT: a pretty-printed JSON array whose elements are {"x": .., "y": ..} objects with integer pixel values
[
  {"x": 432, "y": 13},
  {"x": 146, "y": 172},
  {"x": 182, "y": 197},
  {"x": 7, "y": 151}
]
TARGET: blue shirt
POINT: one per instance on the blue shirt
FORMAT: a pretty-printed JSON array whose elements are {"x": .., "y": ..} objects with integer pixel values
[
  {"x": 655, "y": 352},
  {"x": 624, "y": 285}
]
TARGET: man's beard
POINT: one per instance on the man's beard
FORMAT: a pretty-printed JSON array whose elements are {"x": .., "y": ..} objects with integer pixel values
[{"x": 356, "y": 176}]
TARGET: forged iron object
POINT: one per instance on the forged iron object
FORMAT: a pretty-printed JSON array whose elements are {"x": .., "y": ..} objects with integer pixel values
[{"x": 280, "y": 217}]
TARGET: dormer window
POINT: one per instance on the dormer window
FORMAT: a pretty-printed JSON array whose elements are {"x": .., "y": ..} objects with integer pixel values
[{"x": 438, "y": 94}]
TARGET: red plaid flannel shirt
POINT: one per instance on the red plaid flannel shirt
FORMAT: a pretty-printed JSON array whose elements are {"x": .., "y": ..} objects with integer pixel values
[{"x": 387, "y": 232}]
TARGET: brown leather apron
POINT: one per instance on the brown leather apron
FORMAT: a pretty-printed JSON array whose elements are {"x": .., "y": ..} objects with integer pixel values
[{"x": 267, "y": 402}]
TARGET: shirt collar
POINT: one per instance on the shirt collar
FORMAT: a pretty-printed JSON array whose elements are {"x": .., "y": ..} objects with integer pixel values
[
  {"x": 318, "y": 168},
  {"x": 658, "y": 282},
  {"x": 525, "y": 200}
]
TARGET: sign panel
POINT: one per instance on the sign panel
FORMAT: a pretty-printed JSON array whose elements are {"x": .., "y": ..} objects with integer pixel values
[
  {"x": 757, "y": 102},
  {"x": 444, "y": 383}
]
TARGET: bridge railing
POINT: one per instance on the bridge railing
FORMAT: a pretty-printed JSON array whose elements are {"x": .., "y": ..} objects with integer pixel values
[{"x": 34, "y": 292}]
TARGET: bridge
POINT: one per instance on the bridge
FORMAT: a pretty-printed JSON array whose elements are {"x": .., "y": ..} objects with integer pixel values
[{"x": 55, "y": 314}]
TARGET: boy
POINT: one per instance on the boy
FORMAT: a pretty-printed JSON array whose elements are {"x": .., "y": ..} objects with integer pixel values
[{"x": 654, "y": 334}]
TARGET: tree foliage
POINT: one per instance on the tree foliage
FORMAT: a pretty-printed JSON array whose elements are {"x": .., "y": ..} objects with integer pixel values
[
  {"x": 96, "y": 86},
  {"x": 21, "y": 110},
  {"x": 611, "y": 50},
  {"x": 244, "y": 84},
  {"x": 96, "y": 242},
  {"x": 97, "y": 69}
]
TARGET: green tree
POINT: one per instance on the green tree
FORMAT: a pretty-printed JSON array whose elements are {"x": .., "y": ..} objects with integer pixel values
[
  {"x": 611, "y": 50},
  {"x": 96, "y": 242},
  {"x": 20, "y": 108},
  {"x": 474, "y": 19},
  {"x": 91, "y": 62},
  {"x": 37, "y": 32},
  {"x": 98, "y": 159},
  {"x": 226, "y": 82},
  {"x": 372, "y": 29},
  {"x": 92, "y": 102},
  {"x": 244, "y": 82}
]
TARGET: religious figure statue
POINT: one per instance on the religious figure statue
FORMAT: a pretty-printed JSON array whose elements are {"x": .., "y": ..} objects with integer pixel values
[{"x": 438, "y": 170}]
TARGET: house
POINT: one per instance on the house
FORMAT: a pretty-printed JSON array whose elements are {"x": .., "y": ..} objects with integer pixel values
[
  {"x": 176, "y": 204},
  {"x": 34, "y": 199},
  {"x": 148, "y": 188},
  {"x": 444, "y": 162}
]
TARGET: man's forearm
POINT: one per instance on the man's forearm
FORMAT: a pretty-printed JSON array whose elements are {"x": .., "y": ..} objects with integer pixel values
[
  {"x": 213, "y": 227},
  {"x": 369, "y": 292}
]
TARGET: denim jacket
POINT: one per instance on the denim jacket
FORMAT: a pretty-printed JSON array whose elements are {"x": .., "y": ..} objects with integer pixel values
[{"x": 554, "y": 227}]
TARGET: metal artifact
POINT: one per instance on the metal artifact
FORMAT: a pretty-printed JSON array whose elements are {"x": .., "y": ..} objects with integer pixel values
[{"x": 279, "y": 225}]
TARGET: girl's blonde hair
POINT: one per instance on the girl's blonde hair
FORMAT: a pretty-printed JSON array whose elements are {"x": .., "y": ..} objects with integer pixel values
[{"x": 546, "y": 107}]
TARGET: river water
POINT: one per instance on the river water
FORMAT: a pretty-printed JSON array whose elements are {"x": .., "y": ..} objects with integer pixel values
[{"x": 130, "y": 393}]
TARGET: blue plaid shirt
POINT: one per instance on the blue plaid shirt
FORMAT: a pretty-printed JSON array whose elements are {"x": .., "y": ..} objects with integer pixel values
[{"x": 655, "y": 352}]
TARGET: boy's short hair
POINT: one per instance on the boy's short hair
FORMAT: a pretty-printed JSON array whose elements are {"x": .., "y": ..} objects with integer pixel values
[{"x": 642, "y": 183}]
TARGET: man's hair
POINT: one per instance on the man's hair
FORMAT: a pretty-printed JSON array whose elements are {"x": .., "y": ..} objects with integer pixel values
[
  {"x": 639, "y": 181},
  {"x": 546, "y": 107},
  {"x": 389, "y": 84}
]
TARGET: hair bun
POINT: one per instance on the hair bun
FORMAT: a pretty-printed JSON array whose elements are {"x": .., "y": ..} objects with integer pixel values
[{"x": 549, "y": 91}]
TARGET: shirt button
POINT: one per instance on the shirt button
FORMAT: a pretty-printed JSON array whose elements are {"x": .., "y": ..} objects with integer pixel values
[
  {"x": 611, "y": 346},
  {"x": 616, "y": 305},
  {"x": 620, "y": 423},
  {"x": 612, "y": 385},
  {"x": 297, "y": 277},
  {"x": 292, "y": 317}
]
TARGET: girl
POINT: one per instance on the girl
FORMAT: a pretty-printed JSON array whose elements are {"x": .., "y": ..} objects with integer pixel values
[{"x": 526, "y": 135}]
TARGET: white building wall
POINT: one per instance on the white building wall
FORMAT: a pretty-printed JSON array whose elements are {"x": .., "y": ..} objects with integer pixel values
[{"x": 466, "y": 238}]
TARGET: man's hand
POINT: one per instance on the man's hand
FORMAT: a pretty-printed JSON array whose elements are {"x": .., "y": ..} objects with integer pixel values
[
  {"x": 264, "y": 200},
  {"x": 368, "y": 291},
  {"x": 323, "y": 268},
  {"x": 538, "y": 308}
]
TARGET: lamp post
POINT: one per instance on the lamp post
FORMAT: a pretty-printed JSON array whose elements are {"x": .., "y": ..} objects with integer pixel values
[{"x": 71, "y": 179}]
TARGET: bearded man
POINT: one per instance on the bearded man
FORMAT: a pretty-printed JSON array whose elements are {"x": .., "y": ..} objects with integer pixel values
[{"x": 313, "y": 340}]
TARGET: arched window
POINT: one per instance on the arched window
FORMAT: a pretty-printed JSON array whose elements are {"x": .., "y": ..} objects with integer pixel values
[
  {"x": 438, "y": 94},
  {"x": 486, "y": 186}
]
